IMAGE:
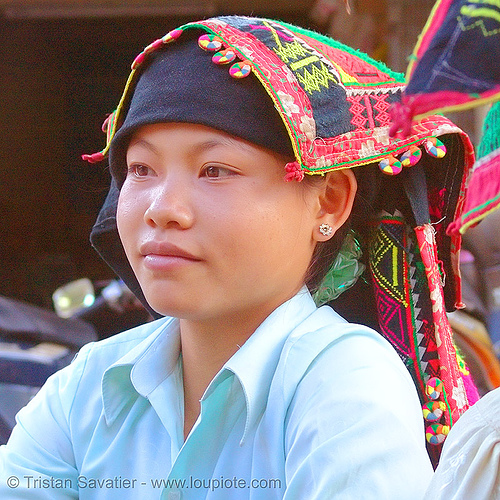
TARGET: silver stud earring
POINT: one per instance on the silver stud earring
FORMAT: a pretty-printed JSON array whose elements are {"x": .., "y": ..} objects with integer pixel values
[{"x": 326, "y": 229}]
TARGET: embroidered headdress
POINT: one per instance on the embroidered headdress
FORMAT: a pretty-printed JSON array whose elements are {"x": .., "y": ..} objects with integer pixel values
[{"x": 334, "y": 105}]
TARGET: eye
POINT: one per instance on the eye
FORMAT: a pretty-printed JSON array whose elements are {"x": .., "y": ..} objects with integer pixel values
[
  {"x": 139, "y": 170},
  {"x": 215, "y": 171}
]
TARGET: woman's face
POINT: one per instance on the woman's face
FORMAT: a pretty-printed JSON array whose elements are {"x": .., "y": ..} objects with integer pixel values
[{"x": 209, "y": 225}]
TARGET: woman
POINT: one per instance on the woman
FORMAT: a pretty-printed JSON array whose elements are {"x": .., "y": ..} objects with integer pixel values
[{"x": 244, "y": 389}]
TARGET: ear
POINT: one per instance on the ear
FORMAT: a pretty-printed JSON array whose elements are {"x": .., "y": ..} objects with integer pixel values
[{"x": 336, "y": 201}]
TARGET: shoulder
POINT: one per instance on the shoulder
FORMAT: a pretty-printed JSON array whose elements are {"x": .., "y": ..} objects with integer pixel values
[
  {"x": 76, "y": 389},
  {"x": 334, "y": 362},
  {"x": 94, "y": 358},
  {"x": 485, "y": 413},
  {"x": 351, "y": 403},
  {"x": 86, "y": 371},
  {"x": 84, "y": 374},
  {"x": 326, "y": 339},
  {"x": 109, "y": 351},
  {"x": 344, "y": 362},
  {"x": 470, "y": 462}
]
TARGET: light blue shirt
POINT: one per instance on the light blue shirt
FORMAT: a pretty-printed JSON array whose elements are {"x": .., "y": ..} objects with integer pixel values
[{"x": 310, "y": 407}]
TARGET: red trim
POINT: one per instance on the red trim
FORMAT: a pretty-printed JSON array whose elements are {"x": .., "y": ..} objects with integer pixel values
[{"x": 459, "y": 395}]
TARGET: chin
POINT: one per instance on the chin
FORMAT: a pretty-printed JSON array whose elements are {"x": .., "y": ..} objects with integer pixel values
[
  {"x": 176, "y": 309},
  {"x": 169, "y": 300}
]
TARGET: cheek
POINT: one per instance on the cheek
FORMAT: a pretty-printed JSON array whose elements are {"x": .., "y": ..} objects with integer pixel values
[
  {"x": 270, "y": 230},
  {"x": 294, "y": 227},
  {"x": 127, "y": 215}
]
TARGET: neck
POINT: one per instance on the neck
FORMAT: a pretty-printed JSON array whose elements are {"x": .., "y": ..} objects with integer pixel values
[
  {"x": 206, "y": 346},
  {"x": 205, "y": 350}
]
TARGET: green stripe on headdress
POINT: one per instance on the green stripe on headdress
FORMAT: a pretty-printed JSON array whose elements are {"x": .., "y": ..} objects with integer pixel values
[{"x": 491, "y": 132}]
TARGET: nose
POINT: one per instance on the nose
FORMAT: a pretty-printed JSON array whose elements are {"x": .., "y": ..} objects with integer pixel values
[{"x": 170, "y": 205}]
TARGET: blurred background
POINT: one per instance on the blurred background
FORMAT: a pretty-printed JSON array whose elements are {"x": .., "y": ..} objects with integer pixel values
[{"x": 63, "y": 65}]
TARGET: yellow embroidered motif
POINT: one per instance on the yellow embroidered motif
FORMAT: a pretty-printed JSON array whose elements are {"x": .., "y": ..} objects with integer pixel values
[
  {"x": 304, "y": 62},
  {"x": 479, "y": 24},
  {"x": 299, "y": 57},
  {"x": 481, "y": 9},
  {"x": 383, "y": 247},
  {"x": 290, "y": 51},
  {"x": 316, "y": 78}
]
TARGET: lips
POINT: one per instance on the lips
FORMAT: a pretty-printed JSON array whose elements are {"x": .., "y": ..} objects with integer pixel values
[
  {"x": 165, "y": 249},
  {"x": 162, "y": 255}
]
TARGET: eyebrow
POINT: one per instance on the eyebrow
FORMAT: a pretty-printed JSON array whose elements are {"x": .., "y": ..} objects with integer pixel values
[
  {"x": 145, "y": 144},
  {"x": 220, "y": 141}
]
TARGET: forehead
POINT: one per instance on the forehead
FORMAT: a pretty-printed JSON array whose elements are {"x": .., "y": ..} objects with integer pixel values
[{"x": 191, "y": 137}]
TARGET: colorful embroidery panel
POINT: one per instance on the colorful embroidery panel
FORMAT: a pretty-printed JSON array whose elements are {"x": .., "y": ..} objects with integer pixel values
[
  {"x": 412, "y": 317},
  {"x": 455, "y": 66}
]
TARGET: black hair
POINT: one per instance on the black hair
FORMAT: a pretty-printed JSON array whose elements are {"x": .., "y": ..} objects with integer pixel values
[{"x": 368, "y": 180}]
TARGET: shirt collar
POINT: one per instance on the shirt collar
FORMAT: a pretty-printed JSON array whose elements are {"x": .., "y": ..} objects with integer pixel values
[
  {"x": 255, "y": 362},
  {"x": 150, "y": 362},
  {"x": 141, "y": 369}
]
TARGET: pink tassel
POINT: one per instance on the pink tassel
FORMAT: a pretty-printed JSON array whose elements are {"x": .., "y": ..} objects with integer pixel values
[
  {"x": 294, "y": 172},
  {"x": 94, "y": 158}
]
